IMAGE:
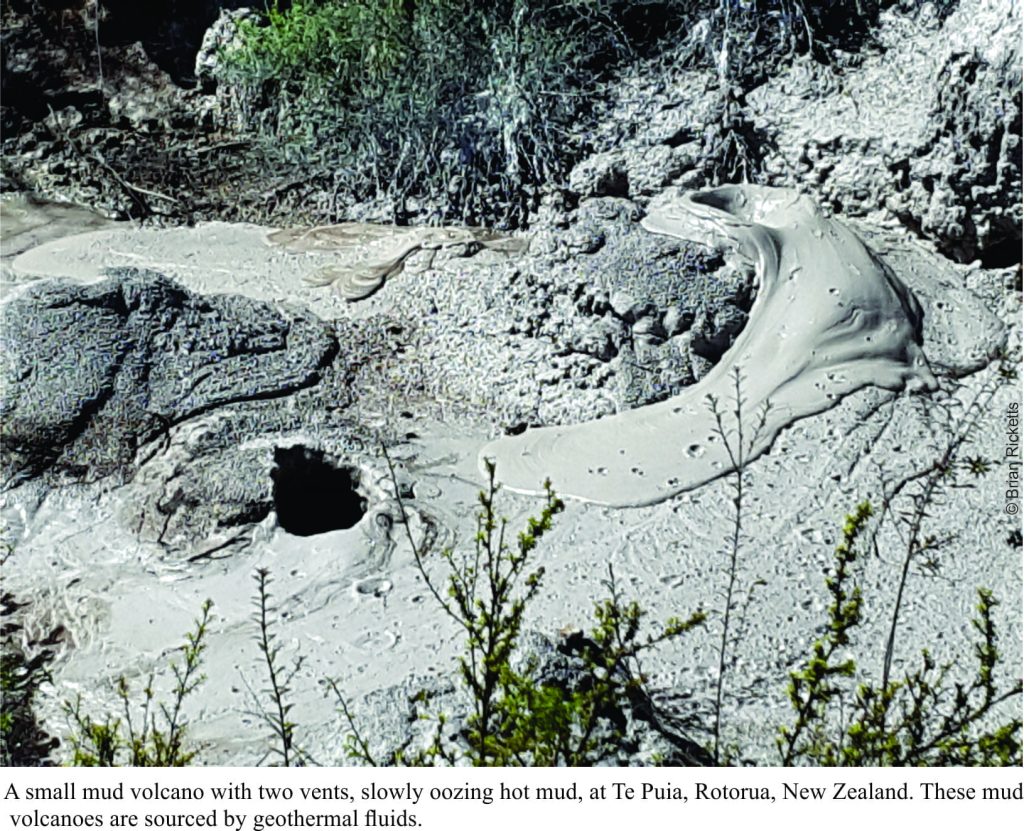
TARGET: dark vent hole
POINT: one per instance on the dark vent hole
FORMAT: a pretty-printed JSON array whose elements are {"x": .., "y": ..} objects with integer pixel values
[
  {"x": 313, "y": 495},
  {"x": 1002, "y": 255}
]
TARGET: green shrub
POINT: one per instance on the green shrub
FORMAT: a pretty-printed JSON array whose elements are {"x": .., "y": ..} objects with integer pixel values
[
  {"x": 23, "y": 741},
  {"x": 470, "y": 105},
  {"x": 150, "y": 733},
  {"x": 24, "y": 667},
  {"x": 461, "y": 111},
  {"x": 922, "y": 719},
  {"x": 315, "y": 48},
  {"x": 517, "y": 717}
]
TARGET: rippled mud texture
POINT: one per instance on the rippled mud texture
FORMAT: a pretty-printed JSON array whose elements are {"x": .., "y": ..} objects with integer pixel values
[
  {"x": 829, "y": 318},
  {"x": 369, "y": 254}
]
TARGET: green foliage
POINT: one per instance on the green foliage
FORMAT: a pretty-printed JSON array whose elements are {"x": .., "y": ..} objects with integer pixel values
[
  {"x": 517, "y": 717},
  {"x": 23, "y": 668},
  {"x": 309, "y": 42},
  {"x": 22, "y": 741},
  {"x": 922, "y": 719},
  {"x": 470, "y": 105},
  {"x": 487, "y": 594},
  {"x": 816, "y": 686},
  {"x": 524, "y": 714},
  {"x": 546, "y": 724},
  {"x": 462, "y": 111},
  {"x": 150, "y": 734}
]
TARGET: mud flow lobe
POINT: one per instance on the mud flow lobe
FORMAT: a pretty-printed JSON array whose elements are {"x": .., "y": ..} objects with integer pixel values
[{"x": 829, "y": 318}]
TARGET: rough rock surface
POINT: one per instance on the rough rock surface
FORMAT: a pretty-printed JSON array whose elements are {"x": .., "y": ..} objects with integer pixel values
[
  {"x": 925, "y": 127},
  {"x": 656, "y": 312},
  {"x": 119, "y": 126},
  {"x": 92, "y": 373},
  {"x": 966, "y": 172},
  {"x": 599, "y": 315},
  {"x": 221, "y": 34},
  {"x": 929, "y": 130}
]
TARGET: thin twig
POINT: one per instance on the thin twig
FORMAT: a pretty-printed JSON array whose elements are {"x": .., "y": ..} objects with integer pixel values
[
  {"x": 934, "y": 476},
  {"x": 99, "y": 51},
  {"x": 129, "y": 186}
]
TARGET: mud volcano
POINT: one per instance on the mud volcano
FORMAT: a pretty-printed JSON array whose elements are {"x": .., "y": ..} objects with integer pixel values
[{"x": 829, "y": 319}]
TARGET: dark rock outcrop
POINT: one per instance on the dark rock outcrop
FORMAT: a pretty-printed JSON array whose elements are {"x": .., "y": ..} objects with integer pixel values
[
  {"x": 93, "y": 372},
  {"x": 657, "y": 311}
]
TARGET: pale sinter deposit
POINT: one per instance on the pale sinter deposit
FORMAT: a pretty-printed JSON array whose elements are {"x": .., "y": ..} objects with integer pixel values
[{"x": 829, "y": 318}]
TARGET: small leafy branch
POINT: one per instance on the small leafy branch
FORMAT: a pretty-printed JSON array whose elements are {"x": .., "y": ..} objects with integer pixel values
[
  {"x": 486, "y": 595},
  {"x": 275, "y": 714},
  {"x": 490, "y": 611},
  {"x": 24, "y": 667},
  {"x": 158, "y": 736},
  {"x": 355, "y": 745},
  {"x": 930, "y": 486},
  {"x": 546, "y": 724},
  {"x": 22, "y": 739},
  {"x": 917, "y": 720},
  {"x": 739, "y": 451},
  {"x": 814, "y": 687}
]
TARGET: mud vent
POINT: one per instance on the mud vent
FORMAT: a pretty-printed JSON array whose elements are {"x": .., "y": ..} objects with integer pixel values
[{"x": 312, "y": 494}]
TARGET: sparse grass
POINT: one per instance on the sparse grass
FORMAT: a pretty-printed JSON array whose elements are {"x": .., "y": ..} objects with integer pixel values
[
  {"x": 272, "y": 705},
  {"x": 746, "y": 42},
  {"x": 928, "y": 487},
  {"x": 455, "y": 111},
  {"x": 739, "y": 449},
  {"x": 750, "y": 39}
]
